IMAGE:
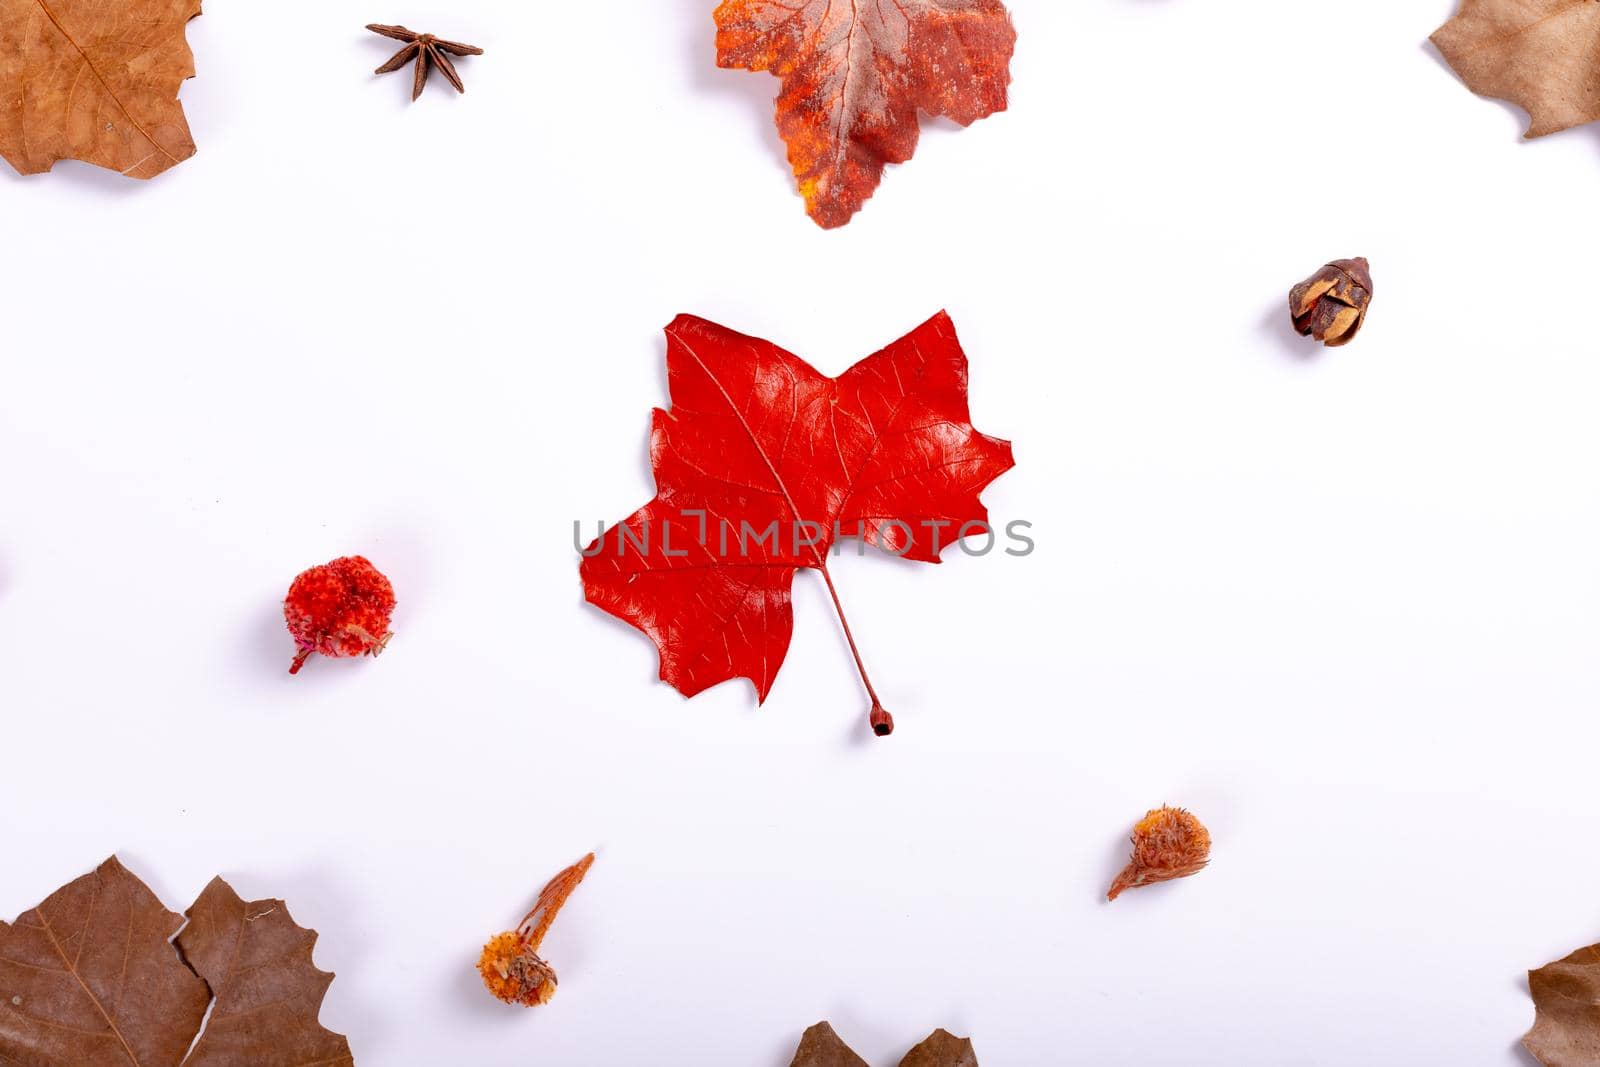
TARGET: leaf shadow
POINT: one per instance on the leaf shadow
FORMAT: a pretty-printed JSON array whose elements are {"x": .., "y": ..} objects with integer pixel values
[
  {"x": 657, "y": 347},
  {"x": 266, "y": 646},
  {"x": 467, "y": 990},
  {"x": 1118, "y": 860},
  {"x": 758, "y": 89},
  {"x": 266, "y": 641},
  {"x": 97, "y": 181},
  {"x": 783, "y": 1050},
  {"x": 1278, "y": 328},
  {"x": 1519, "y": 1051}
]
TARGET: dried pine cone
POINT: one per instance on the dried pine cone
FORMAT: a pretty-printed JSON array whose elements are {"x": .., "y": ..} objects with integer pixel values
[
  {"x": 1332, "y": 304},
  {"x": 1167, "y": 843}
]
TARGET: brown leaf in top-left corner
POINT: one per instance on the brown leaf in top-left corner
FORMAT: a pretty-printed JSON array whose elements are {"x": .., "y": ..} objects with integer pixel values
[{"x": 95, "y": 81}]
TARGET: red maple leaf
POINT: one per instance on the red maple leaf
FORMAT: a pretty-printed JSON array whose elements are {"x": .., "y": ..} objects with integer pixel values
[
  {"x": 855, "y": 74},
  {"x": 761, "y": 466}
]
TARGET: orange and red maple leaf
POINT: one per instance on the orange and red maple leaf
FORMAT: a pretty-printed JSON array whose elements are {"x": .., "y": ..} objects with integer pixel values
[{"x": 856, "y": 72}]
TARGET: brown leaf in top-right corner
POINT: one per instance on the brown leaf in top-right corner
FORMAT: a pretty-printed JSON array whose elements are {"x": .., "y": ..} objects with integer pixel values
[
  {"x": 1566, "y": 999},
  {"x": 1542, "y": 55}
]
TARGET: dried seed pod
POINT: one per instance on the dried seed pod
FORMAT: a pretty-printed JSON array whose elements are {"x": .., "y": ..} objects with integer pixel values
[
  {"x": 1167, "y": 843},
  {"x": 510, "y": 965},
  {"x": 1331, "y": 304}
]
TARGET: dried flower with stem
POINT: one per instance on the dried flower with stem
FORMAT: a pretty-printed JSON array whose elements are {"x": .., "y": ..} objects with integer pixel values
[
  {"x": 510, "y": 965},
  {"x": 1168, "y": 843}
]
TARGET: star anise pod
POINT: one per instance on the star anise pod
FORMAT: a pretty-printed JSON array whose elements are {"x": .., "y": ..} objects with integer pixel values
[{"x": 424, "y": 48}]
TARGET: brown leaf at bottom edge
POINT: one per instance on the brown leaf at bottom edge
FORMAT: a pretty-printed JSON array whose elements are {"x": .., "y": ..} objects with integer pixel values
[
  {"x": 1566, "y": 1000},
  {"x": 821, "y": 1046},
  {"x": 942, "y": 1049}
]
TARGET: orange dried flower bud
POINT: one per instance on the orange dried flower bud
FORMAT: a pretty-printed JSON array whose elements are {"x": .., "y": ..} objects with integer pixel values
[
  {"x": 1167, "y": 843},
  {"x": 514, "y": 972},
  {"x": 510, "y": 965}
]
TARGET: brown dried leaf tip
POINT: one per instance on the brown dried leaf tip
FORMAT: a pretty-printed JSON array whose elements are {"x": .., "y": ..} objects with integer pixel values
[
  {"x": 1332, "y": 304},
  {"x": 425, "y": 49},
  {"x": 1168, "y": 843},
  {"x": 511, "y": 967}
]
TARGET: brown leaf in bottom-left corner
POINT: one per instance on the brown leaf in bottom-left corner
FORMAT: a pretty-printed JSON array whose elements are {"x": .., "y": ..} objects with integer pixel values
[
  {"x": 1566, "y": 999},
  {"x": 91, "y": 978}
]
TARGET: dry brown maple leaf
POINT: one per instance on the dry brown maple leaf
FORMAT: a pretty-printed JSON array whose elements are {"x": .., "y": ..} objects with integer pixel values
[
  {"x": 1542, "y": 55},
  {"x": 96, "y": 81},
  {"x": 821, "y": 1046},
  {"x": 91, "y": 978},
  {"x": 855, "y": 75},
  {"x": 1566, "y": 997}
]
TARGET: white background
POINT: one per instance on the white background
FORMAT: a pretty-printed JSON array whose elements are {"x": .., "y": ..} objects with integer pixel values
[{"x": 1340, "y": 603}]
